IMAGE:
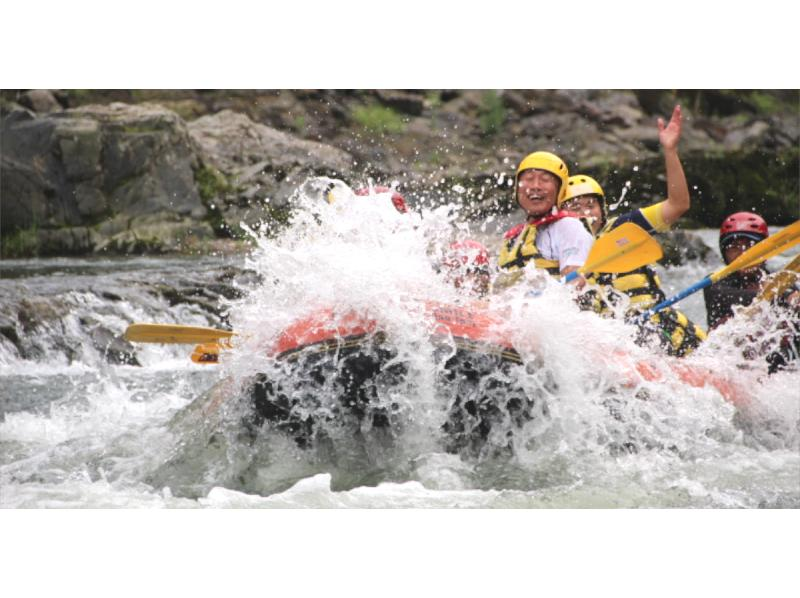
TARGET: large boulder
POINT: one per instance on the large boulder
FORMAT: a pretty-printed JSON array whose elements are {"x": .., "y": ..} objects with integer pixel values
[
  {"x": 40, "y": 100},
  {"x": 77, "y": 168},
  {"x": 251, "y": 170}
]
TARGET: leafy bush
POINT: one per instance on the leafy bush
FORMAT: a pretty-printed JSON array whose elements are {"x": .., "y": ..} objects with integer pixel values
[
  {"x": 378, "y": 119},
  {"x": 20, "y": 243}
]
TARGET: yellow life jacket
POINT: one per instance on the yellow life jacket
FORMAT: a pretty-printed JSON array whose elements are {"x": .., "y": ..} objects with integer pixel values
[
  {"x": 519, "y": 246},
  {"x": 642, "y": 285},
  {"x": 678, "y": 335}
]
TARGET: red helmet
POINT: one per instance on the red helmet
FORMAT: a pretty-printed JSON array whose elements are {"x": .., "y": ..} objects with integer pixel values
[
  {"x": 467, "y": 253},
  {"x": 742, "y": 225},
  {"x": 397, "y": 200}
]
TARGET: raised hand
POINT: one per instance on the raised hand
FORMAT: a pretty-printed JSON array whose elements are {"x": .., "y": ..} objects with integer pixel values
[{"x": 670, "y": 135}]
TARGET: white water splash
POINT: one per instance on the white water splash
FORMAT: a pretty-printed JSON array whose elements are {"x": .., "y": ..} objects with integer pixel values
[{"x": 127, "y": 436}]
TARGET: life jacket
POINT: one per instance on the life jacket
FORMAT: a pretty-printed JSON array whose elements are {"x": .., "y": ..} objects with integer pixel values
[
  {"x": 642, "y": 285},
  {"x": 519, "y": 245},
  {"x": 677, "y": 334}
]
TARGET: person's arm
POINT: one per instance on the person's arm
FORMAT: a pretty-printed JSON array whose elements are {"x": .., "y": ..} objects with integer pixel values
[{"x": 678, "y": 201}]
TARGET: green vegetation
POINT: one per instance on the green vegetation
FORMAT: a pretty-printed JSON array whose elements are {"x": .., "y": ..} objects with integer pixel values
[
  {"x": 280, "y": 216},
  {"x": 80, "y": 96},
  {"x": 212, "y": 186},
  {"x": 299, "y": 123},
  {"x": 378, "y": 119},
  {"x": 435, "y": 157},
  {"x": 766, "y": 103},
  {"x": 721, "y": 102},
  {"x": 433, "y": 98},
  {"x": 20, "y": 243},
  {"x": 492, "y": 113},
  {"x": 211, "y": 183},
  {"x": 140, "y": 129},
  {"x": 719, "y": 184}
]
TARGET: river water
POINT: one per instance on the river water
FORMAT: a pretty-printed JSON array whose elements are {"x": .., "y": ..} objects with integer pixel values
[{"x": 82, "y": 429}]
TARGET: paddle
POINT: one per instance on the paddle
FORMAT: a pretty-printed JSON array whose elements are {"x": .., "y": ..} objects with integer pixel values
[
  {"x": 769, "y": 247},
  {"x": 174, "y": 333},
  {"x": 781, "y": 281},
  {"x": 625, "y": 248}
]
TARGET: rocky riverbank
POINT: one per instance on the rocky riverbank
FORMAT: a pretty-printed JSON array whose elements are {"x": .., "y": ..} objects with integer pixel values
[{"x": 130, "y": 172}]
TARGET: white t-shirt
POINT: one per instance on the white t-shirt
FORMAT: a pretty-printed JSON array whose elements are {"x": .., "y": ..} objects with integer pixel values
[{"x": 565, "y": 240}]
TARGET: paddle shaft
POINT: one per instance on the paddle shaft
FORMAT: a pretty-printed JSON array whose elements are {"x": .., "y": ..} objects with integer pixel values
[
  {"x": 175, "y": 333},
  {"x": 707, "y": 281},
  {"x": 769, "y": 247}
]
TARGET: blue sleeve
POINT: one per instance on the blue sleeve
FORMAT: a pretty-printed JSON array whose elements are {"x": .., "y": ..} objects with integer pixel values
[{"x": 635, "y": 216}]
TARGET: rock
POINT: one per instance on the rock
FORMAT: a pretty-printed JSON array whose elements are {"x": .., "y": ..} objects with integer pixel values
[
  {"x": 519, "y": 102},
  {"x": 260, "y": 167},
  {"x": 78, "y": 167},
  {"x": 645, "y": 135},
  {"x": 749, "y": 137},
  {"x": 7, "y": 108},
  {"x": 79, "y": 143},
  {"x": 192, "y": 296},
  {"x": 549, "y": 125},
  {"x": 232, "y": 141},
  {"x": 188, "y": 109},
  {"x": 115, "y": 349},
  {"x": 9, "y": 330},
  {"x": 33, "y": 312},
  {"x": 113, "y": 226},
  {"x": 64, "y": 241},
  {"x": 26, "y": 195},
  {"x": 40, "y": 100},
  {"x": 90, "y": 200},
  {"x": 617, "y": 108},
  {"x": 157, "y": 233},
  {"x": 75, "y": 180},
  {"x": 403, "y": 101},
  {"x": 681, "y": 246},
  {"x": 467, "y": 104}
]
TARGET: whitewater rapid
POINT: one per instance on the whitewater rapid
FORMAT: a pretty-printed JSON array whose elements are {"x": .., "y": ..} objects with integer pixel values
[{"x": 80, "y": 431}]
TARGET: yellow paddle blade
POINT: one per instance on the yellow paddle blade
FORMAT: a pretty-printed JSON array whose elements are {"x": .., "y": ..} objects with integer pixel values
[
  {"x": 206, "y": 353},
  {"x": 625, "y": 248},
  {"x": 781, "y": 281},
  {"x": 769, "y": 247},
  {"x": 174, "y": 333}
]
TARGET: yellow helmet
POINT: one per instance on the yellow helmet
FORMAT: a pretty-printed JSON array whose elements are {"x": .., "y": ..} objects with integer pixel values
[
  {"x": 581, "y": 184},
  {"x": 544, "y": 161}
]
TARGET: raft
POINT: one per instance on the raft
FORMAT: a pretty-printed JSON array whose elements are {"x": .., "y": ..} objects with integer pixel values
[
  {"x": 345, "y": 369},
  {"x": 335, "y": 368}
]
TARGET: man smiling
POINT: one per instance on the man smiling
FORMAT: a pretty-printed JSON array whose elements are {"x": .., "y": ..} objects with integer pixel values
[{"x": 553, "y": 240}]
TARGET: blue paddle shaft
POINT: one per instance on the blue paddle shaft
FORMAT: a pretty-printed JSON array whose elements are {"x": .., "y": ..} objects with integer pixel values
[
  {"x": 570, "y": 277},
  {"x": 675, "y": 298}
]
